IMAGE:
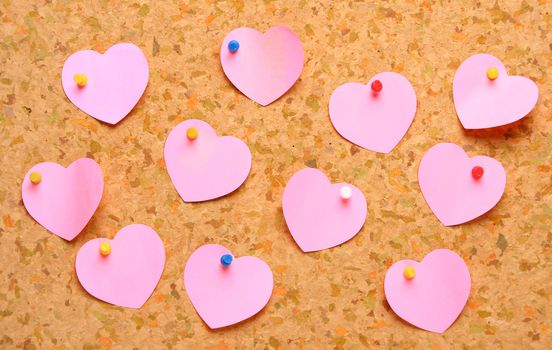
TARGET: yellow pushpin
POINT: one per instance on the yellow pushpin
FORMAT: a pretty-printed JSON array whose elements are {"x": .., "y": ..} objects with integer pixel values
[
  {"x": 192, "y": 133},
  {"x": 105, "y": 248},
  {"x": 409, "y": 272},
  {"x": 492, "y": 73},
  {"x": 35, "y": 178},
  {"x": 80, "y": 79}
]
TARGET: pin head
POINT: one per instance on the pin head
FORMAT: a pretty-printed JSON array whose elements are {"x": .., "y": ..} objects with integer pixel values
[
  {"x": 226, "y": 259},
  {"x": 346, "y": 192},
  {"x": 492, "y": 73},
  {"x": 35, "y": 178},
  {"x": 233, "y": 46},
  {"x": 409, "y": 272},
  {"x": 376, "y": 86},
  {"x": 192, "y": 134},
  {"x": 105, "y": 248},
  {"x": 477, "y": 172},
  {"x": 80, "y": 79}
]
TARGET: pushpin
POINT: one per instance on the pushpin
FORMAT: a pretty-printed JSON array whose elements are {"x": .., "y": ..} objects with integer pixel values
[
  {"x": 233, "y": 46},
  {"x": 346, "y": 192},
  {"x": 376, "y": 86},
  {"x": 105, "y": 248},
  {"x": 226, "y": 259},
  {"x": 192, "y": 133},
  {"x": 35, "y": 178},
  {"x": 80, "y": 79},
  {"x": 477, "y": 172},
  {"x": 492, "y": 73},
  {"x": 409, "y": 272}
]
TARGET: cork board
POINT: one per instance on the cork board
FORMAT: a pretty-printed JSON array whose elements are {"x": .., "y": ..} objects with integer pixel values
[{"x": 325, "y": 300}]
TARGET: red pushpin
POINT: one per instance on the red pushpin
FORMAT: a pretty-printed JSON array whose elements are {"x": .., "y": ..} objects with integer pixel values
[
  {"x": 477, "y": 172},
  {"x": 376, "y": 86}
]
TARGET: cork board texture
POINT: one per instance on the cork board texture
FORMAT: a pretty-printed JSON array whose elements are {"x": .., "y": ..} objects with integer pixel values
[{"x": 325, "y": 300}]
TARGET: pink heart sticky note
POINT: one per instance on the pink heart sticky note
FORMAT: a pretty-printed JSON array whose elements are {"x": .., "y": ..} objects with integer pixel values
[
  {"x": 262, "y": 66},
  {"x": 225, "y": 291},
  {"x": 430, "y": 294},
  {"x": 374, "y": 116},
  {"x": 203, "y": 166},
  {"x": 112, "y": 83},
  {"x": 320, "y": 214},
  {"x": 123, "y": 271},
  {"x": 458, "y": 188},
  {"x": 482, "y": 102},
  {"x": 63, "y": 199}
]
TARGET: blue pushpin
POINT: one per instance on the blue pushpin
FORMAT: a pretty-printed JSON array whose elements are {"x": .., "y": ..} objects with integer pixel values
[
  {"x": 226, "y": 259},
  {"x": 233, "y": 46}
]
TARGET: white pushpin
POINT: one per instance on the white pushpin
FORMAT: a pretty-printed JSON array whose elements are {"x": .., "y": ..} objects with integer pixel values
[{"x": 346, "y": 192}]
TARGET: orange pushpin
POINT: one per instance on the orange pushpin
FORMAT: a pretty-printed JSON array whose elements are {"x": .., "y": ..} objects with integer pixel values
[
  {"x": 192, "y": 133},
  {"x": 492, "y": 73},
  {"x": 409, "y": 272},
  {"x": 35, "y": 178},
  {"x": 105, "y": 248},
  {"x": 80, "y": 79}
]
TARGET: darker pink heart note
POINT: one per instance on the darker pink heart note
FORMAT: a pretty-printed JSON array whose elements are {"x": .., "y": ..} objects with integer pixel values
[
  {"x": 262, "y": 66},
  {"x": 225, "y": 290},
  {"x": 483, "y": 102},
  {"x": 430, "y": 294},
  {"x": 110, "y": 84},
  {"x": 63, "y": 200},
  {"x": 123, "y": 271},
  {"x": 457, "y": 188},
  {"x": 374, "y": 116},
  {"x": 320, "y": 214},
  {"x": 202, "y": 165}
]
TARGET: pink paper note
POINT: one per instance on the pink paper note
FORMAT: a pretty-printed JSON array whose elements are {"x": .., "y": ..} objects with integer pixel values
[
  {"x": 266, "y": 65},
  {"x": 449, "y": 188},
  {"x": 66, "y": 198},
  {"x": 316, "y": 214},
  {"x": 207, "y": 167},
  {"x": 128, "y": 275},
  {"x": 484, "y": 103},
  {"x": 434, "y": 298},
  {"x": 376, "y": 121},
  {"x": 116, "y": 81},
  {"x": 225, "y": 295}
]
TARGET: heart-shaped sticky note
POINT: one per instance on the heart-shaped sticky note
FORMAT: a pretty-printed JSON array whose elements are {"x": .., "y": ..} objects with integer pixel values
[
  {"x": 320, "y": 214},
  {"x": 108, "y": 86},
  {"x": 224, "y": 290},
  {"x": 63, "y": 199},
  {"x": 374, "y": 116},
  {"x": 262, "y": 66},
  {"x": 485, "y": 96},
  {"x": 430, "y": 294},
  {"x": 123, "y": 271},
  {"x": 458, "y": 188},
  {"x": 203, "y": 166}
]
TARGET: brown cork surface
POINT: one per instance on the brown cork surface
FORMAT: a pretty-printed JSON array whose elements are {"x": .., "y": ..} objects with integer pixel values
[{"x": 325, "y": 300}]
